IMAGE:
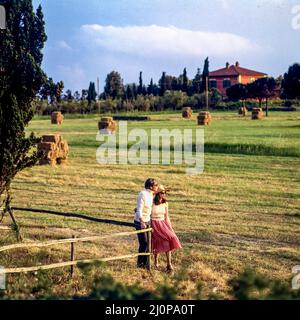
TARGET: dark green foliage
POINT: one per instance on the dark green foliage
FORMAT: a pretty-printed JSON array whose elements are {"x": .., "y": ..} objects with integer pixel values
[
  {"x": 21, "y": 78},
  {"x": 252, "y": 286},
  {"x": 150, "y": 89},
  {"x": 106, "y": 288},
  {"x": 162, "y": 84},
  {"x": 114, "y": 87},
  {"x": 92, "y": 94},
  {"x": 140, "y": 87},
  {"x": 205, "y": 75},
  {"x": 51, "y": 90},
  {"x": 248, "y": 285},
  {"x": 215, "y": 98},
  {"x": 197, "y": 82},
  {"x": 264, "y": 88},
  {"x": 185, "y": 81},
  {"x": 291, "y": 82},
  {"x": 237, "y": 92}
]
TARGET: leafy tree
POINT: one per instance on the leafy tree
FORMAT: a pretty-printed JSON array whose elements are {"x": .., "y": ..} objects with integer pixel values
[
  {"x": 291, "y": 82},
  {"x": 169, "y": 82},
  {"x": 150, "y": 89},
  {"x": 92, "y": 94},
  {"x": 237, "y": 92},
  {"x": 162, "y": 84},
  {"x": 58, "y": 90},
  {"x": 128, "y": 92},
  {"x": 84, "y": 94},
  {"x": 185, "y": 81},
  {"x": 69, "y": 95},
  {"x": 264, "y": 88},
  {"x": 134, "y": 91},
  {"x": 77, "y": 95},
  {"x": 114, "y": 87},
  {"x": 48, "y": 90},
  {"x": 215, "y": 97},
  {"x": 205, "y": 75},
  {"x": 21, "y": 57},
  {"x": 52, "y": 90},
  {"x": 197, "y": 82}
]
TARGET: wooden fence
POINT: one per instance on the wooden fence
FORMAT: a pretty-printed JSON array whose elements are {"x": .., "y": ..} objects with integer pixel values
[{"x": 73, "y": 241}]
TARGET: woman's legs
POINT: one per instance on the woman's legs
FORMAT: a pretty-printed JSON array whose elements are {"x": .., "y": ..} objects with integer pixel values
[
  {"x": 169, "y": 262},
  {"x": 155, "y": 260}
]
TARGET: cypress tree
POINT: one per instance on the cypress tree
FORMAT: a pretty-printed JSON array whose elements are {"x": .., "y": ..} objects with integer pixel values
[
  {"x": 162, "y": 84},
  {"x": 140, "y": 87},
  {"x": 184, "y": 81},
  {"x": 21, "y": 78},
  {"x": 205, "y": 75}
]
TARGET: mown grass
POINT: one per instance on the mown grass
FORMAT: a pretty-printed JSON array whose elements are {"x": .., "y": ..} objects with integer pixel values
[{"x": 243, "y": 211}]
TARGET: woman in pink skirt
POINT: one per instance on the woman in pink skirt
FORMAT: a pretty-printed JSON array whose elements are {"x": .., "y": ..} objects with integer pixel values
[{"x": 164, "y": 239}]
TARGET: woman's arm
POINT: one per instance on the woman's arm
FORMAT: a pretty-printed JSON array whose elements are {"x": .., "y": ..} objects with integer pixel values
[{"x": 167, "y": 217}]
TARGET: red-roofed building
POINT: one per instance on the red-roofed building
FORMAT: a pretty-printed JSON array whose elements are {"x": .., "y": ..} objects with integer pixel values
[{"x": 231, "y": 75}]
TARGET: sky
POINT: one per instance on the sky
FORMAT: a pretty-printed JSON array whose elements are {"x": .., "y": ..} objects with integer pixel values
[{"x": 90, "y": 38}]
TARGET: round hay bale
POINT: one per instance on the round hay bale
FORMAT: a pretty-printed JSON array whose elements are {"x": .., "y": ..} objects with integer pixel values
[
  {"x": 57, "y": 118},
  {"x": 204, "y": 118},
  {"x": 107, "y": 127},
  {"x": 187, "y": 112},
  {"x": 257, "y": 114}
]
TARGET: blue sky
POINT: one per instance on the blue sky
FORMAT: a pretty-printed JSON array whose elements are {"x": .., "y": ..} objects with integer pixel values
[{"x": 89, "y": 38}]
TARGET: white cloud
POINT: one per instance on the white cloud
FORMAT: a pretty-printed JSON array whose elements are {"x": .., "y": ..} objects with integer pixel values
[
  {"x": 63, "y": 45},
  {"x": 74, "y": 76},
  {"x": 155, "y": 41}
]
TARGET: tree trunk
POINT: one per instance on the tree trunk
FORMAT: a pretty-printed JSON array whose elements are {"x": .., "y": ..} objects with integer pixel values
[
  {"x": 267, "y": 108},
  {"x": 8, "y": 209}
]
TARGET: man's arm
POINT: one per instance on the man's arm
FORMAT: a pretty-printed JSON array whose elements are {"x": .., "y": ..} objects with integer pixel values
[{"x": 140, "y": 207}]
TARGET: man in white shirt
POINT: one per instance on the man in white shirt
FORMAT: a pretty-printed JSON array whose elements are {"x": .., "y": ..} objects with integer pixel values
[{"x": 142, "y": 217}]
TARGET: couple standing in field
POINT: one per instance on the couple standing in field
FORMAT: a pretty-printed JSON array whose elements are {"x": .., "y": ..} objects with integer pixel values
[{"x": 152, "y": 211}]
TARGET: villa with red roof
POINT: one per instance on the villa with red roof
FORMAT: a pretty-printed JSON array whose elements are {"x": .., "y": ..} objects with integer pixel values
[{"x": 231, "y": 75}]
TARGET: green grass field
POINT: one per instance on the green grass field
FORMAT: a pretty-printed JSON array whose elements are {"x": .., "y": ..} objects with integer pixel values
[{"x": 243, "y": 211}]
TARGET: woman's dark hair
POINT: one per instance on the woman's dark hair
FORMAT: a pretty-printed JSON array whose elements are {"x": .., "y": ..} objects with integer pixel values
[
  {"x": 150, "y": 183},
  {"x": 156, "y": 200}
]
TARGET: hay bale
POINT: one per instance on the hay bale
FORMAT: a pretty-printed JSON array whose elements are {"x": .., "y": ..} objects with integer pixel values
[
  {"x": 55, "y": 138},
  {"x": 257, "y": 114},
  {"x": 187, "y": 112},
  {"x": 106, "y": 119},
  {"x": 52, "y": 150},
  {"x": 243, "y": 111},
  {"x": 107, "y": 125},
  {"x": 57, "y": 117},
  {"x": 204, "y": 118},
  {"x": 46, "y": 146}
]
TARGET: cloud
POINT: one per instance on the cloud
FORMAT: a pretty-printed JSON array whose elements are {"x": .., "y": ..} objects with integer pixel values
[
  {"x": 157, "y": 41},
  {"x": 64, "y": 45},
  {"x": 74, "y": 76}
]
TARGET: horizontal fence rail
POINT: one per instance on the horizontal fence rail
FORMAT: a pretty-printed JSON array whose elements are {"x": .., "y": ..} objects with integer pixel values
[
  {"x": 71, "y": 240},
  {"x": 73, "y": 262},
  {"x": 69, "y": 263},
  {"x": 75, "y": 240}
]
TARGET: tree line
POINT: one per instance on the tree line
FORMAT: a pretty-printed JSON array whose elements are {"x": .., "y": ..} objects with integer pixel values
[{"x": 286, "y": 87}]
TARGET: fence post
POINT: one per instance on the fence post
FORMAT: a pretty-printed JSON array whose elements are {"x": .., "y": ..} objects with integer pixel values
[
  {"x": 72, "y": 257},
  {"x": 149, "y": 249}
]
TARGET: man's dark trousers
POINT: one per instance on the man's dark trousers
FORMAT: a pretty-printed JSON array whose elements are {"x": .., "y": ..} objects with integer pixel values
[{"x": 142, "y": 261}]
